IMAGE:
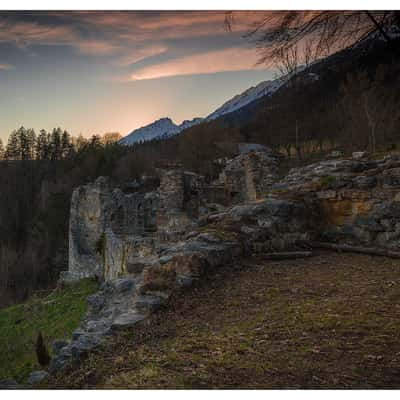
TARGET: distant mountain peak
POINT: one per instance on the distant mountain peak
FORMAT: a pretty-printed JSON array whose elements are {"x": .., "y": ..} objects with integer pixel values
[
  {"x": 162, "y": 128},
  {"x": 264, "y": 88}
]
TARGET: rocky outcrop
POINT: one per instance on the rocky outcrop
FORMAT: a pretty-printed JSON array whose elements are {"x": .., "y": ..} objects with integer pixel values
[{"x": 359, "y": 198}]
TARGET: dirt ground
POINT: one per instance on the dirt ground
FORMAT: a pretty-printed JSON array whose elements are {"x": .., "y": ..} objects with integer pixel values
[{"x": 330, "y": 321}]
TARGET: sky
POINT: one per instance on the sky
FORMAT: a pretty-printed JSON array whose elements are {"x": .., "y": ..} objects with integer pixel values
[{"x": 95, "y": 72}]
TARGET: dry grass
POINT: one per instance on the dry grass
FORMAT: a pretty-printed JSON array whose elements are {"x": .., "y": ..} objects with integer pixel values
[{"x": 331, "y": 321}]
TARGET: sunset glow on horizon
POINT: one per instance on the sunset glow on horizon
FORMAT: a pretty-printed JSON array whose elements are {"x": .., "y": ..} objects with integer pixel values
[{"x": 93, "y": 72}]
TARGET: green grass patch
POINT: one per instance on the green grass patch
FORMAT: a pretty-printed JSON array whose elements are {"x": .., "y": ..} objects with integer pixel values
[{"x": 55, "y": 315}]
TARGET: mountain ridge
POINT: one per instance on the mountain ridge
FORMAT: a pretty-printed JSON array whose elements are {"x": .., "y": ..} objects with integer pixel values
[{"x": 164, "y": 128}]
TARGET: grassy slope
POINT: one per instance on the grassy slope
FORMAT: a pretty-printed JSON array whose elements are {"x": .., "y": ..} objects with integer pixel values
[
  {"x": 56, "y": 316},
  {"x": 331, "y": 321}
]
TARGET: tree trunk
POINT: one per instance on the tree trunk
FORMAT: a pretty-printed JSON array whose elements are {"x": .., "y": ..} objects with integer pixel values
[
  {"x": 287, "y": 255},
  {"x": 298, "y": 150},
  {"x": 373, "y": 138},
  {"x": 371, "y": 125},
  {"x": 352, "y": 249}
]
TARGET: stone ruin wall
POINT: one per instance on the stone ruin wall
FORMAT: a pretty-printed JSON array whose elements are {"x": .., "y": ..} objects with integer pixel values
[
  {"x": 348, "y": 200},
  {"x": 108, "y": 229},
  {"x": 249, "y": 176},
  {"x": 113, "y": 233}
]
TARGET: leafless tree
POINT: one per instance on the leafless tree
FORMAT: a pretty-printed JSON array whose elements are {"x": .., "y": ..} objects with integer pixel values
[
  {"x": 365, "y": 97},
  {"x": 327, "y": 31}
]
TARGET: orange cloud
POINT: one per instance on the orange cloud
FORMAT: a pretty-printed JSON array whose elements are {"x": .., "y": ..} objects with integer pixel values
[
  {"x": 232, "y": 59},
  {"x": 142, "y": 54},
  {"x": 5, "y": 67},
  {"x": 97, "y": 47},
  {"x": 127, "y": 36},
  {"x": 24, "y": 33}
]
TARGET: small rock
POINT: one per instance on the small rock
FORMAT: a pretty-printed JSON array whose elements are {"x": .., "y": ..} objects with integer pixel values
[
  {"x": 77, "y": 333},
  {"x": 127, "y": 319},
  {"x": 364, "y": 182},
  {"x": 96, "y": 301},
  {"x": 9, "y": 384},
  {"x": 84, "y": 343},
  {"x": 358, "y": 155},
  {"x": 58, "y": 344},
  {"x": 148, "y": 304},
  {"x": 185, "y": 281},
  {"x": 37, "y": 376},
  {"x": 100, "y": 327},
  {"x": 124, "y": 285},
  {"x": 135, "y": 267}
]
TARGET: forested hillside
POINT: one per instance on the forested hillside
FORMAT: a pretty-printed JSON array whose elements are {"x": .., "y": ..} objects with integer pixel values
[{"x": 349, "y": 100}]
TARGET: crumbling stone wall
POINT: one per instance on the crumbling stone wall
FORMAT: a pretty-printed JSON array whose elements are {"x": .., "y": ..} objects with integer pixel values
[
  {"x": 249, "y": 176},
  {"x": 112, "y": 232},
  {"x": 341, "y": 200},
  {"x": 105, "y": 227},
  {"x": 179, "y": 200},
  {"x": 86, "y": 227}
]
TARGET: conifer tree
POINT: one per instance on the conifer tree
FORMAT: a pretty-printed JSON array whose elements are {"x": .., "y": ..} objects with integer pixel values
[
  {"x": 55, "y": 144},
  {"x": 66, "y": 145},
  {"x": 30, "y": 144},
  {"x": 42, "y": 146},
  {"x": 1, "y": 150},
  {"x": 12, "y": 150}
]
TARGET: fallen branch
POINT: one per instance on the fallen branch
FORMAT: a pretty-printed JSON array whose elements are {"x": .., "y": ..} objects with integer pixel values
[
  {"x": 287, "y": 255},
  {"x": 379, "y": 170},
  {"x": 353, "y": 249}
]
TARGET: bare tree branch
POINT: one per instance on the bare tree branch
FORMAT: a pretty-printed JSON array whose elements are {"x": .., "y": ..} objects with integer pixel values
[{"x": 328, "y": 31}]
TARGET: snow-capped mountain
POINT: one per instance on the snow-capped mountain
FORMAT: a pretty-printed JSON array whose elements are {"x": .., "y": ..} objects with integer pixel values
[
  {"x": 165, "y": 127},
  {"x": 255, "y": 92},
  {"x": 160, "y": 129}
]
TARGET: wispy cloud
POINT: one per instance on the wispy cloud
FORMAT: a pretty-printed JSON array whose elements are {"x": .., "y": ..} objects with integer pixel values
[
  {"x": 232, "y": 59},
  {"x": 128, "y": 38},
  {"x": 104, "y": 32},
  {"x": 142, "y": 54},
  {"x": 97, "y": 47},
  {"x": 5, "y": 66},
  {"x": 25, "y": 33}
]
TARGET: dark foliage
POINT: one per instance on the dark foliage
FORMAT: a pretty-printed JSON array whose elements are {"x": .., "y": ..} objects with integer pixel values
[{"x": 41, "y": 351}]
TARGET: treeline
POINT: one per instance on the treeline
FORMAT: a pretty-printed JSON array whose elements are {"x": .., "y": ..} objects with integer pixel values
[
  {"x": 25, "y": 144},
  {"x": 357, "y": 110},
  {"x": 37, "y": 177}
]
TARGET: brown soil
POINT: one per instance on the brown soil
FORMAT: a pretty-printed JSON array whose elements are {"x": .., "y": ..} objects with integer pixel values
[{"x": 330, "y": 321}]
